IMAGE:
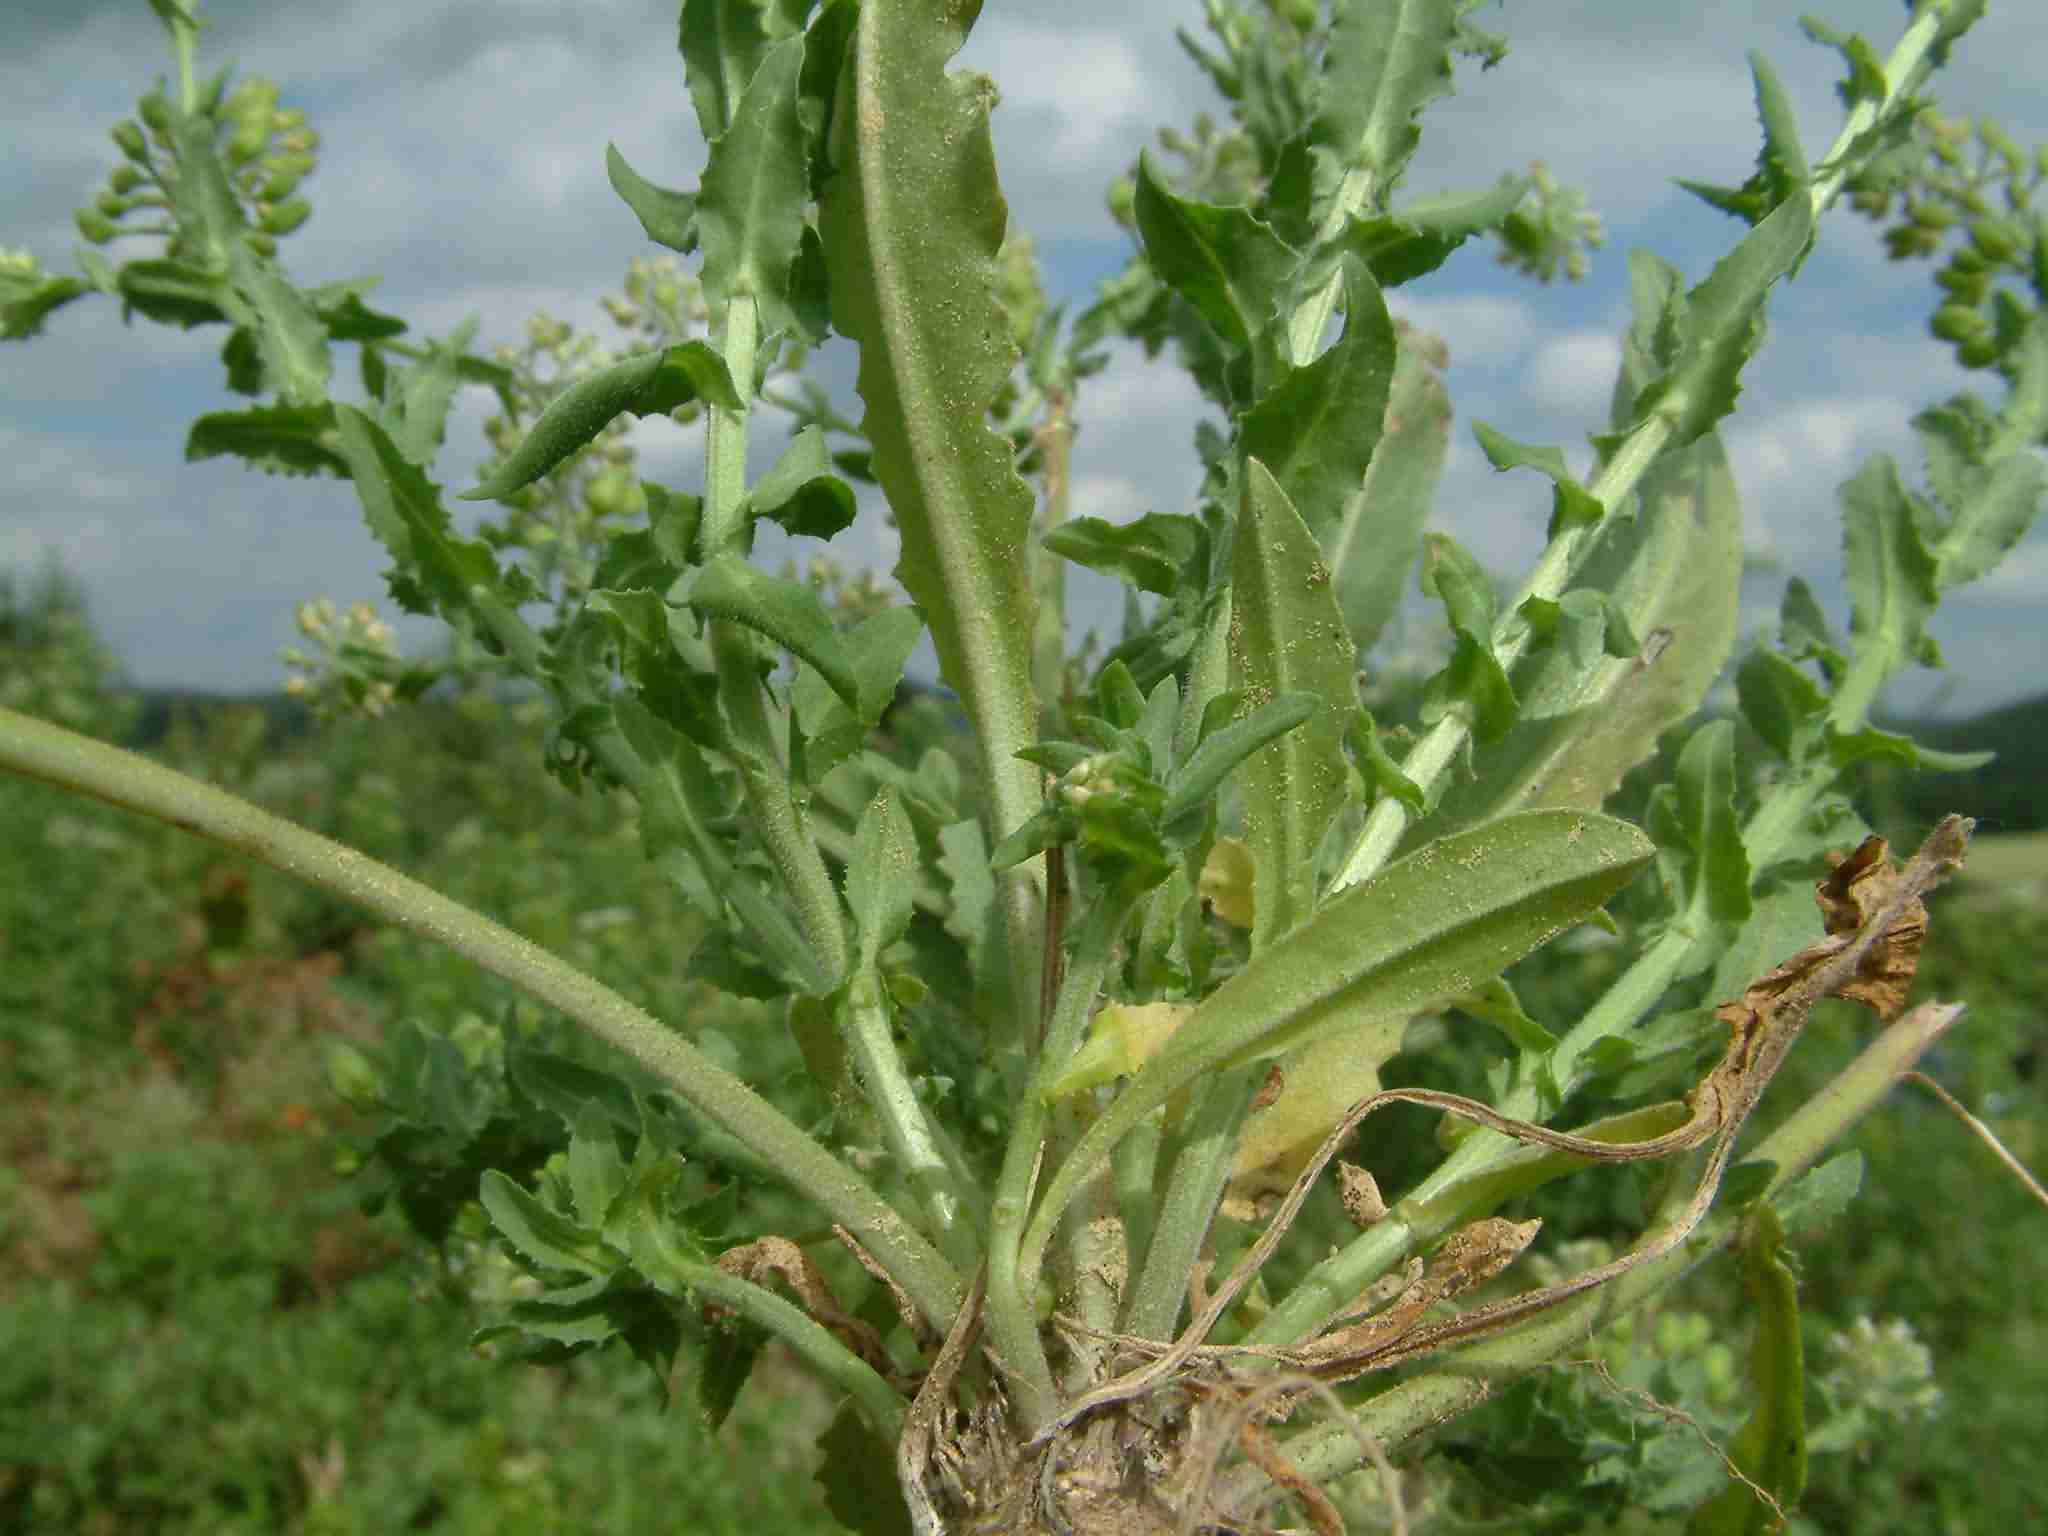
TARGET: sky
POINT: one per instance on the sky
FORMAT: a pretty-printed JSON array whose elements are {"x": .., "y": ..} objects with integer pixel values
[{"x": 463, "y": 160}]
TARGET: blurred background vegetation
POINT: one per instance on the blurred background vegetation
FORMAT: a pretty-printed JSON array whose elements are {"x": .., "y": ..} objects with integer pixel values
[{"x": 209, "y": 1321}]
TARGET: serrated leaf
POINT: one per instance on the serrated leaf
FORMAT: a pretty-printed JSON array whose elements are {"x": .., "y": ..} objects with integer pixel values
[
  {"x": 1495, "y": 1003},
  {"x": 566, "y": 1087},
  {"x": 750, "y": 207},
  {"x": 1287, "y": 637},
  {"x": 1374, "y": 543},
  {"x": 1153, "y": 553},
  {"x": 279, "y": 439},
  {"x": 596, "y": 1171},
  {"x": 1721, "y": 325},
  {"x": 652, "y": 384},
  {"x": 881, "y": 876},
  {"x": 669, "y": 218},
  {"x": 1818, "y": 1197},
  {"x": 1222, "y": 259},
  {"x": 416, "y": 412},
  {"x": 787, "y": 612},
  {"x": 1419, "y": 237},
  {"x": 722, "y": 42},
  {"x": 801, "y": 492},
  {"x": 542, "y": 1236},
  {"x": 403, "y": 508},
  {"x": 172, "y": 293},
  {"x": 1887, "y": 567},
  {"x": 1781, "y": 703},
  {"x": 1706, "y": 808},
  {"x": 912, "y": 225},
  {"x": 1386, "y": 61},
  {"x": 1315, "y": 430},
  {"x": 1425, "y": 928},
  {"x": 729, "y": 1357}
]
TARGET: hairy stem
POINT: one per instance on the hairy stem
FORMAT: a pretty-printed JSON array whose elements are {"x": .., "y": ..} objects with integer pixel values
[{"x": 77, "y": 763}]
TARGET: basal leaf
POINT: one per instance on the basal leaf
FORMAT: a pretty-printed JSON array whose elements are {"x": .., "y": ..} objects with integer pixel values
[
  {"x": 1287, "y": 637},
  {"x": 669, "y": 218},
  {"x": 858, "y": 1476},
  {"x": 750, "y": 208},
  {"x": 787, "y": 612},
  {"x": 912, "y": 224},
  {"x": 652, "y": 384},
  {"x": 1315, "y": 430},
  {"x": 1373, "y": 545},
  {"x": 280, "y": 439},
  {"x": 1425, "y": 928}
]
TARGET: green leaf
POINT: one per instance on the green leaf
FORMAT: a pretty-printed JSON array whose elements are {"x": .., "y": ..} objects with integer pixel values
[
  {"x": 1706, "y": 808},
  {"x": 730, "y": 1354},
  {"x": 415, "y": 413},
  {"x": 858, "y": 1476},
  {"x": 801, "y": 492},
  {"x": 1223, "y": 260},
  {"x": 1991, "y": 504},
  {"x": 1671, "y": 575},
  {"x": 1287, "y": 637},
  {"x": 1386, "y": 61},
  {"x": 28, "y": 296},
  {"x": 596, "y": 1171},
  {"x": 912, "y": 275},
  {"x": 1770, "y": 1449},
  {"x": 787, "y": 612},
  {"x": 1403, "y": 941},
  {"x": 1412, "y": 243},
  {"x": 1495, "y": 1003},
  {"x": 1781, "y": 168},
  {"x": 1782, "y": 704},
  {"x": 1818, "y": 1197},
  {"x": 279, "y": 439},
  {"x": 652, "y": 384},
  {"x": 1887, "y": 567},
  {"x": 722, "y": 43},
  {"x": 1316, "y": 429},
  {"x": 1719, "y": 325},
  {"x": 881, "y": 876},
  {"x": 1373, "y": 545},
  {"x": 1153, "y": 553},
  {"x": 541, "y": 1236},
  {"x": 403, "y": 508},
  {"x": 172, "y": 293},
  {"x": 750, "y": 208},
  {"x": 669, "y": 218},
  {"x": 1571, "y": 503},
  {"x": 1195, "y": 780},
  {"x": 1473, "y": 680}
]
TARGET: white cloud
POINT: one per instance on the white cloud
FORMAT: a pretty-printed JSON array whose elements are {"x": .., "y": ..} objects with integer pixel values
[
  {"x": 1575, "y": 372},
  {"x": 1483, "y": 330}
]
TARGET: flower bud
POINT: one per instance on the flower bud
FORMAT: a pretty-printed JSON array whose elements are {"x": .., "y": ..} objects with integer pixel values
[
  {"x": 96, "y": 227},
  {"x": 286, "y": 217},
  {"x": 130, "y": 141}
]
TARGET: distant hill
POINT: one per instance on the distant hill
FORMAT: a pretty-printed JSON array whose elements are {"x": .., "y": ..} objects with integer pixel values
[{"x": 2006, "y": 795}]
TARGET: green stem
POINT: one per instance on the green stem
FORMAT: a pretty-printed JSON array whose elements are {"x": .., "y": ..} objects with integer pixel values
[
  {"x": 55, "y": 756},
  {"x": 1012, "y": 1293},
  {"x": 941, "y": 1187},
  {"x": 1474, "y": 1373},
  {"x": 1200, "y": 1170},
  {"x": 883, "y": 1406}
]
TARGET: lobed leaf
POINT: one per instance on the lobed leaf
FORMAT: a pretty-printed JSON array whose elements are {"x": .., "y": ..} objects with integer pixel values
[
  {"x": 787, "y": 612},
  {"x": 750, "y": 207}
]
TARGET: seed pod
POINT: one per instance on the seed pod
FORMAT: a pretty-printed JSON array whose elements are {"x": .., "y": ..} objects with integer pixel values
[{"x": 1998, "y": 239}]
